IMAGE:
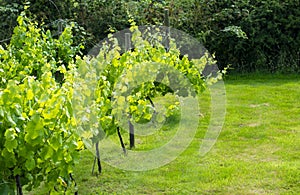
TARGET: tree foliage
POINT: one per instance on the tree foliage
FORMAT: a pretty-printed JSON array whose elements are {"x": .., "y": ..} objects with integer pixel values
[{"x": 272, "y": 27}]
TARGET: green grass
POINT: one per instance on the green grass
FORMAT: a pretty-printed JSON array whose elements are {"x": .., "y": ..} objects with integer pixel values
[{"x": 257, "y": 152}]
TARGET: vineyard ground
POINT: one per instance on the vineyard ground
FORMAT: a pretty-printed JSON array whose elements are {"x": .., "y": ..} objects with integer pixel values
[{"x": 257, "y": 152}]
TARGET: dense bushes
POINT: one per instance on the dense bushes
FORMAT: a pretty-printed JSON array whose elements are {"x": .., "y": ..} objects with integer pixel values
[
  {"x": 272, "y": 27},
  {"x": 273, "y": 35}
]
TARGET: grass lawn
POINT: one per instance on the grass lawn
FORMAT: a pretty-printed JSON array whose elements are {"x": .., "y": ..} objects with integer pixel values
[{"x": 257, "y": 152}]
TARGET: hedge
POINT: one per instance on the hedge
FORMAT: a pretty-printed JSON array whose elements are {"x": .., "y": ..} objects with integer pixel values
[{"x": 251, "y": 35}]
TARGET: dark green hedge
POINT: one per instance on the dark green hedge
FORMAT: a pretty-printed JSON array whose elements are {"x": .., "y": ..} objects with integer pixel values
[{"x": 272, "y": 27}]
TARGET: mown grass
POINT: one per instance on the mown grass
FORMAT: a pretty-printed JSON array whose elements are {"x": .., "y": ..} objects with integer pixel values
[{"x": 257, "y": 152}]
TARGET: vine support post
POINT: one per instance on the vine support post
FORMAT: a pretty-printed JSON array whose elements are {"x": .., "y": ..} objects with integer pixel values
[
  {"x": 60, "y": 26},
  {"x": 98, "y": 157},
  {"x": 131, "y": 127},
  {"x": 127, "y": 42},
  {"x": 131, "y": 134},
  {"x": 167, "y": 26},
  {"x": 121, "y": 140},
  {"x": 19, "y": 186}
]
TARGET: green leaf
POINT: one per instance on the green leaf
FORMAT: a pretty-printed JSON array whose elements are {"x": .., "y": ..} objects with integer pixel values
[
  {"x": 23, "y": 152},
  {"x": 34, "y": 128},
  {"x": 68, "y": 158},
  {"x": 10, "y": 120},
  {"x": 10, "y": 142},
  {"x": 30, "y": 163},
  {"x": 1, "y": 112},
  {"x": 56, "y": 142},
  {"x": 49, "y": 153},
  {"x": 10, "y": 134},
  {"x": 11, "y": 145},
  {"x": 52, "y": 112},
  {"x": 30, "y": 94},
  {"x": 10, "y": 158}
]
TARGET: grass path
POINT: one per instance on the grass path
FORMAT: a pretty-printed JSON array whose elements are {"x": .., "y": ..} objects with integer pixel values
[{"x": 257, "y": 152}]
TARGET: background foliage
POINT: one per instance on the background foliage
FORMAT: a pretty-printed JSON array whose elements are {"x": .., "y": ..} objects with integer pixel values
[{"x": 272, "y": 27}]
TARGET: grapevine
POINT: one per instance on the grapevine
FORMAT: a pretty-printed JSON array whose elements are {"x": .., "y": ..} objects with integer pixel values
[{"x": 37, "y": 141}]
